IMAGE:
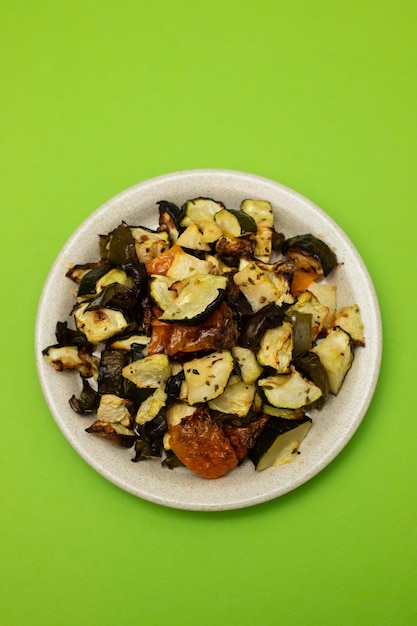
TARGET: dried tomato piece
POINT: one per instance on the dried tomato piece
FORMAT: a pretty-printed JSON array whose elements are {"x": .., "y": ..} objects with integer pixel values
[{"x": 201, "y": 445}]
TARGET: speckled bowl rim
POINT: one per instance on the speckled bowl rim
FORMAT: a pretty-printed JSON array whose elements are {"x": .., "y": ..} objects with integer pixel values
[{"x": 332, "y": 428}]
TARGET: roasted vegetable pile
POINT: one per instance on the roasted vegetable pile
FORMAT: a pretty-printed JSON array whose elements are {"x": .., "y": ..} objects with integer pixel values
[{"x": 205, "y": 342}]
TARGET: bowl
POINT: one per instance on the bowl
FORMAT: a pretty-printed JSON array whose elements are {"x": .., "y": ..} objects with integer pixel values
[{"x": 333, "y": 426}]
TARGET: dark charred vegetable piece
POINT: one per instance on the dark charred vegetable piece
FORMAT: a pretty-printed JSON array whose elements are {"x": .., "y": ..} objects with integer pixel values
[
  {"x": 68, "y": 337},
  {"x": 77, "y": 272},
  {"x": 269, "y": 316},
  {"x": 150, "y": 436},
  {"x": 310, "y": 366},
  {"x": 87, "y": 402},
  {"x": 174, "y": 384},
  {"x": 89, "y": 280},
  {"x": 170, "y": 219},
  {"x": 110, "y": 379},
  {"x": 121, "y": 249},
  {"x": 311, "y": 246},
  {"x": 137, "y": 394},
  {"x": 114, "y": 296},
  {"x": 171, "y": 461},
  {"x": 279, "y": 442},
  {"x": 235, "y": 247},
  {"x": 114, "y": 432},
  {"x": 277, "y": 241},
  {"x": 302, "y": 324},
  {"x": 227, "y": 419}
]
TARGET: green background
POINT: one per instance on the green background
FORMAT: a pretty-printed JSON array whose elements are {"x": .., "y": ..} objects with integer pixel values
[{"x": 97, "y": 96}]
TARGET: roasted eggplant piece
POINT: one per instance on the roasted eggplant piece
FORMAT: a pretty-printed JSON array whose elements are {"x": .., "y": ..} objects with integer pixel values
[
  {"x": 307, "y": 250},
  {"x": 150, "y": 438},
  {"x": 88, "y": 401},
  {"x": 279, "y": 442},
  {"x": 269, "y": 316},
  {"x": 170, "y": 216},
  {"x": 110, "y": 378},
  {"x": 121, "y": 247}
]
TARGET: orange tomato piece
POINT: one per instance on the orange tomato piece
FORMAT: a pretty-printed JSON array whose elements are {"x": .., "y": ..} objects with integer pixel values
[
  {"x": 201, "y": 445},
  {"x": 162, "y": 263}
]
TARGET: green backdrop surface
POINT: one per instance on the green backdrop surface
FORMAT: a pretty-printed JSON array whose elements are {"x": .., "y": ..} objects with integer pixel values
[{"x": 97, "y": 96}]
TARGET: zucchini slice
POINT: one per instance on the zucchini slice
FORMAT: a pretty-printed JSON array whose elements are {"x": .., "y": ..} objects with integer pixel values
[
  {"x": 101, "y": 324},
  {"x": 161, "y": 292},
  {"x": 184, "y": 265},
  {"x": 193, "y": 238},
  {"x": 249, "y": 368},
  {"x": 235, "y": 223},
  {"x": 305, "y": 249},
  {"x": 208, "y": 376},
  {"x": 261, "y": 212},
  {"x": 151, "y": 407},
  {"x": 151, "y": 372},
  {"x": 148, "y": 243},
  {"x": 279, "y": 442},
  {"x": 196, "y": 302},
  {"x": 289, "y": 391},
  {"x": 308, "y": 303},
  {"x": 336, "y": 356},
  {"x": 236, "y": 399},
  {"x": 257, "y": 288},
  {"x": 350, "y": 320},
  {"x": 276, "y": 347},
  {"x": 128, "y": 342},
  {"x": 200, "y": 210},
  {"x": 114, "y": 409},
  {"x": 327, "y": 295}
]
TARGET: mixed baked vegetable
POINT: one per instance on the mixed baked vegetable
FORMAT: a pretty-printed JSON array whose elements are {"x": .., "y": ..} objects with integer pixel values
[{"x": 206, "y": 341}]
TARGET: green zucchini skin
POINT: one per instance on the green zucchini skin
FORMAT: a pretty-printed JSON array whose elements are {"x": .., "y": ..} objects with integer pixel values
[
  {"x": 197, "y": 301},
  {"x": 279, "y": 441},
  {"x": 312, "y": 246}
]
